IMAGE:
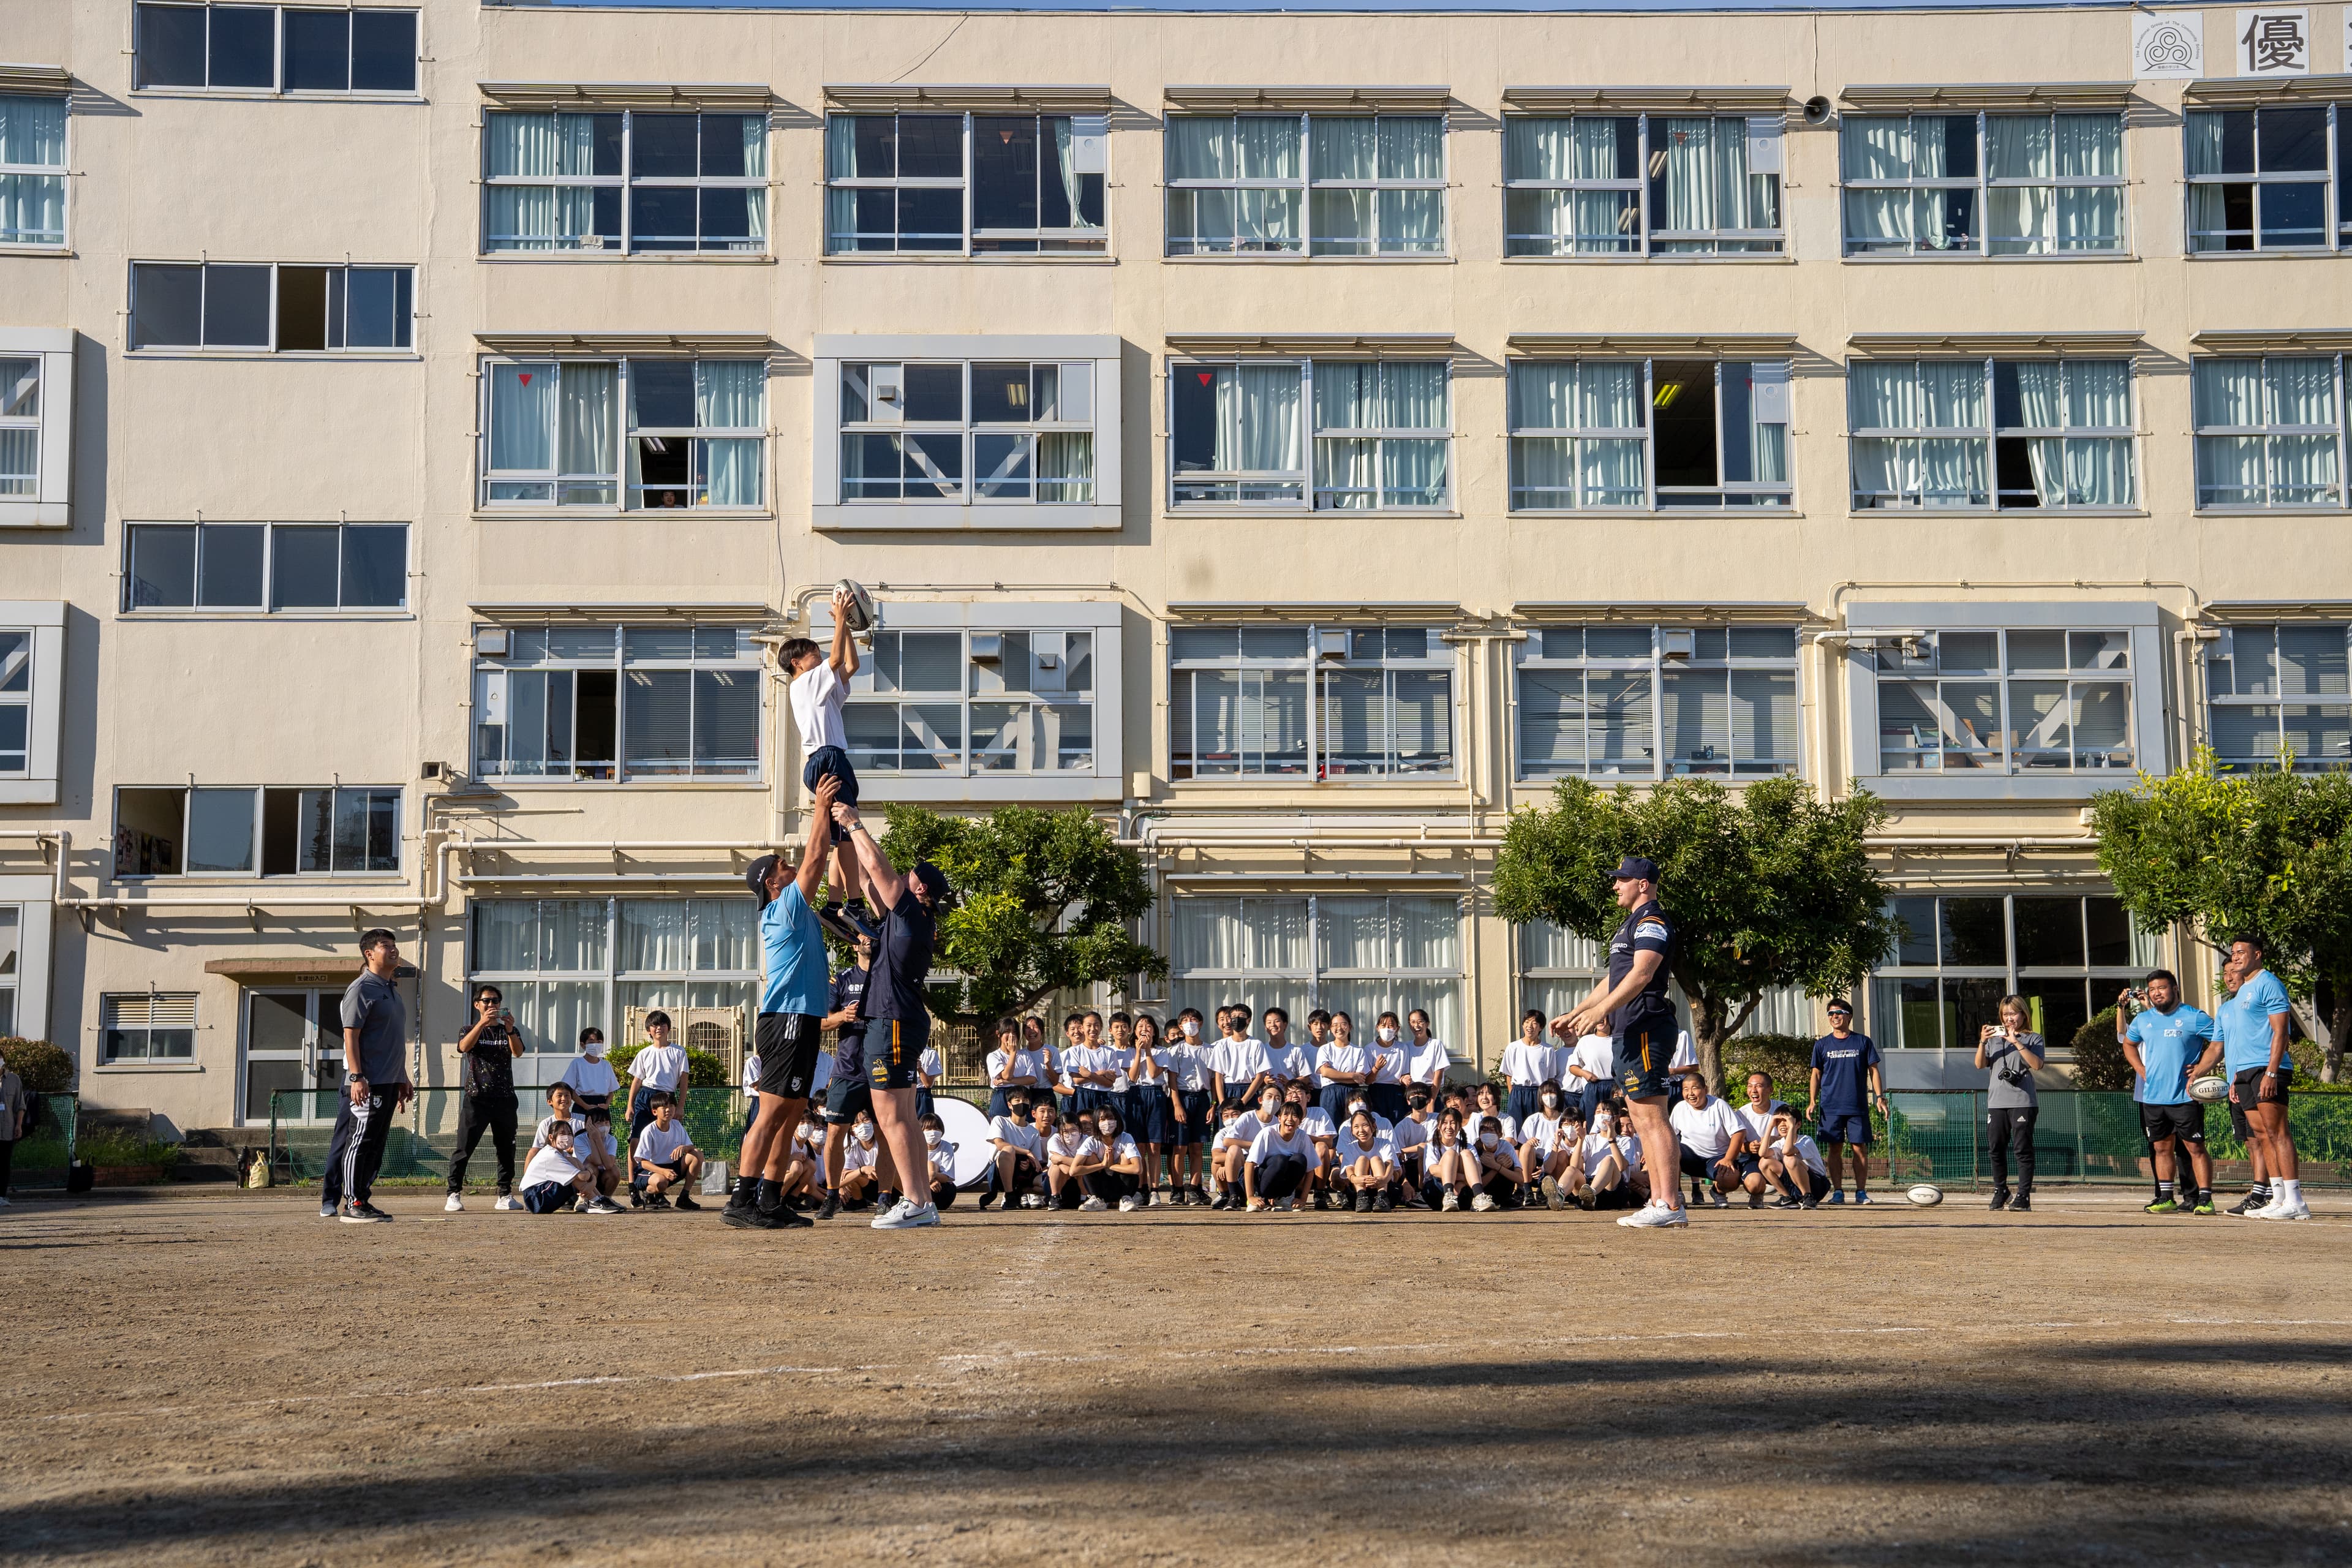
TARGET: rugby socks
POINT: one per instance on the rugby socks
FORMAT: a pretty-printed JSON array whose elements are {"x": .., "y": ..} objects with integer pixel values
[
  {"x": 2260, "y": 1193},
  {"x": 771, "y": 1194},
  {"x": 746, "y": 1189},
  {"x": 2290, "y": 1192},
  {"x": 2163, "y": 1191}
]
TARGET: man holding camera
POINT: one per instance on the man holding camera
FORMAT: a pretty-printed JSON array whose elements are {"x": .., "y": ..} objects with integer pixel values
[
  {"x": 485, "y": 1054},
  {"x": 2167, "y": 1044}
]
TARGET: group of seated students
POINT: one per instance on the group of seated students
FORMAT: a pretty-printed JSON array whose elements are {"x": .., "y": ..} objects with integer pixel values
[
  {"x": 1153, "y": 1119},
  {"x": 576, "y": 1165}
]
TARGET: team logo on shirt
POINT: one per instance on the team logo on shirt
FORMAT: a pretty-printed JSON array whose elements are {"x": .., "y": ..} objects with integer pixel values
[{"x": 1655, "y": 929}]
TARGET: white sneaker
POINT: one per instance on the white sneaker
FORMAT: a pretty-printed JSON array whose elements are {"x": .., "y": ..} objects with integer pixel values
[
  {"x": 1093, "y": 1205},
  {"x": 454, "y": 1205},
  {"x": 1285, "y": 1203},
  {"x": 326, "y": 1211},
  {"x": 508, "y": 1202},
  {"x": 1129, "y": 1206},
  {"x": 2280, "y": 1208},
  {"x": 4, "y": 1203},
  {"x": 1032, "y": 1201},
  {"x": 907, "y": 1214},
  {"x": 1652, "y": 1215},
  {"x": 1453, "y": 1202},
  {"x": 1483, "y": 1202}
]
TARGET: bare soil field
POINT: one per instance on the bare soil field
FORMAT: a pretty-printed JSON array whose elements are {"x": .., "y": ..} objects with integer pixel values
[{"x": 233, "y": 1379}]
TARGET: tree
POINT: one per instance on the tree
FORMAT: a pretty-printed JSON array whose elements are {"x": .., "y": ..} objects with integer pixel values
[
  {"x": 1043, "y": 899},
  {"x": 1768, "y": 887},
  {"x": 2267, "y": 853}
]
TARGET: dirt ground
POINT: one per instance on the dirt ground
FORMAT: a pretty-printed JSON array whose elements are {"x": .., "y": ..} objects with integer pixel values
[{"x": 233, "y": 1379}]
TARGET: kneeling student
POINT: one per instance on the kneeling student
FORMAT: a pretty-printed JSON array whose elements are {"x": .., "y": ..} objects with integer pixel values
[
  {"x": 555, "y": 1179},
  {"x": 1367, "y": 1165},
  {"x": 1119, "y": 1181},
  {"x": 1016, "y": 1162},
  {"x": 595, "y": 1147},
  {"x": 1277, "y": 1164},
  {"x": 666, "y": 1156},
  {"x": 942, "y": 1155}
]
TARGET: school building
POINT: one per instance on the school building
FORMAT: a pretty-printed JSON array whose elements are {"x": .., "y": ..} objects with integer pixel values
[{"x": 1301, "y": 437}]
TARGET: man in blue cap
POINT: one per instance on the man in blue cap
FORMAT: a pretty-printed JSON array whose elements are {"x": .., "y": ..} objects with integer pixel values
[
  {"x": 1634, "y": 1005},
  {"x": 791, "y": 1019}
]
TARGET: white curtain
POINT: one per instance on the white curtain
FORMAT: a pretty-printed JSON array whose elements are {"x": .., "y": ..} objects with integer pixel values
[
  {"x": 2098, "y": 394},
  {"x": 1201, "y": 147},
  {"x": 1412, "y": 148},
  {"x": 1345, "y": 148},
  {"x": 2230, "y": 391},
  {"x": 1347, "y": 395},
  {"x": 2204, "y": 151},
  {"x": 586, "y": 430},
  {"x": 1877, "y": 149},
  {"x": 654, "y": 935},
  {"x": 1266, "y": 147},
  {"x": 2018, "y": 147},
  {"x": 1066, "y": 164},
  {"x": 1883, "y": 397},
  {"x": 731, "y": 395},
  {"x": 32, "y": 206},
  {"x": 755, "y": 146},
  {"x": 1412, "y": 473},
  {"x": 1344, "y": 473},
  {"x": 506, "y": 936},
  {"x": 1538, "y": 149},
  {"x": 1543, "y": 395},
  {"x": 538, "y": 218},
  {"x": 1065, "y": 466},
  {"x": 841, "y": 147},
  {"x": 1609, "y": 397},
  {"x": 522, "y": 417},
  {"x": 572, "y": 933},
  {"x": 33, "y": 132},
  {"x": 1257, "y": 419},
  {"x": 1688, "y": 154},
  {"x": 1413, "y": 395}
]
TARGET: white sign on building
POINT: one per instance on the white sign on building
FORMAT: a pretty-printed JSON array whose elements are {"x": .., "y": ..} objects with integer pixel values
[
  {"x": 2170, "y": 45},
  {"x": 2275, "y": 43}
]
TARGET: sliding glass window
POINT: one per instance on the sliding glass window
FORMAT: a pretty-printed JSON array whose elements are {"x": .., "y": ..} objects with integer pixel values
[{"x": 1641, "y": 184}]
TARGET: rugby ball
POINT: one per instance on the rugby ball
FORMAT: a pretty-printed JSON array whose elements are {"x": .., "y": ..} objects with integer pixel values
[
  {"x": 859, "y": 612},
  {"x": 1926, "y": 1194},
  {"x": 2209, "y": 1090}
]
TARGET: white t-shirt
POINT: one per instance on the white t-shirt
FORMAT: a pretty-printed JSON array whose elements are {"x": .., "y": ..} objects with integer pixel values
[
  {"x": 1810, "y": 1153},
  {"x": 1390, "y": 1061},
  {"x": 1270, "y": 1144},
  {"x": 1432, "y": 1059},
  {"x": 818, "y": 697},
  {"x": 1149, "y": 1072},
  {"x": 943, "y": 1155},
  {"x": 591, "y": 1076},
  {"x": 811, "y": 1140},
  {"x": 1242, "y": 1129},
  {"x": 1706, "y": 1130},
  {"x": 1073, "y": 1146},
  {"x": 1409, "y": 1135},
  {"x": 1380, "y": 1124},
  {"x": 928, "y": 1062},
  {"x": 660, "y": 1067},
  {"x": 1292, "y": 1063},
  {"x": 662, "y": 1144},
  {"x": 1477, "y": 1118},
  {"x": 1546, "y": 1132},
  {"x": 1188, "y": 1066},
  {"x": 1240, "y": 1061},
  {"x": 1757, "y": 1122},
  {"x": 751, "y": 1073},
  {"x": 1383, "y": 1147},
  {"x": 1117, "y": 1059},
  {"x": 550, "y": 1164},
  {"x": 1122, "y": 1148},
  {"x": 1505, "y": 1144},
  {"x": 1347, "y": 1058},
  {"x": 1315, "y": 1122},
  {"x": 1686, "y": 1054},
  {"x": 1596, "y": 1054},
  {"x": 547, "y": 1124},
  {"x": 857, "y": 1156},
  {"x": 1596, "y": 1149},
  {"x": 1021, "y": 1138},
  {"x": 1030, "y": 1065},
  {"x": 1526, "y": 1066}
]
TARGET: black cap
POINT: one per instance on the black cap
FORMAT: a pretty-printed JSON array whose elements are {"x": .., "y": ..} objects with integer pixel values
[
  {"x": 935, "y": 882},
  {"x": 1635, "y": 869},
  {"x": 757, "y": 877}
]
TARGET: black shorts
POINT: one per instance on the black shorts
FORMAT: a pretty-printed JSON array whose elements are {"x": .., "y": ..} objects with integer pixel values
[
  {"x": 2248, "y": 1085},
  {"x": 787, "y": 1043},
  {"x": 893, "y": 1049},
  {"x": 1645, "y": 1048},
  {"x": 832, "y": 762},
  {"x": 2186, "y": 1122},
  {"x": 845, "y": 1098}
]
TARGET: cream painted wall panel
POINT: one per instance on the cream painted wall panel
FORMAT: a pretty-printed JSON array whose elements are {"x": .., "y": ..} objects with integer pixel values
[{"x": 267, "y": 438}]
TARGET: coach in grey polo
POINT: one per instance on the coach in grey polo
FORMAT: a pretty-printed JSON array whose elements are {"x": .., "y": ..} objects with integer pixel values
[{"x": 375, "y": 1083}]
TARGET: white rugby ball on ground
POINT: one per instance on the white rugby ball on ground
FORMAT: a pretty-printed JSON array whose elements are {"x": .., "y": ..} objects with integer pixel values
[
  {"x": 1926, "y": 1194},
  {"x": 2209, "y": 1090}
]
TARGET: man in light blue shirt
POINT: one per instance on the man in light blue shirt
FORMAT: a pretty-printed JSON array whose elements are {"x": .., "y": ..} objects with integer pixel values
[
  {"x": 2168, "y": 1045},
  {"x": 2253, "y": 1037}
]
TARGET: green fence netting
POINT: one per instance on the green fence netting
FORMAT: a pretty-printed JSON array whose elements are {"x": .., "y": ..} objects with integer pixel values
[{"x": 47, "y": 1149}]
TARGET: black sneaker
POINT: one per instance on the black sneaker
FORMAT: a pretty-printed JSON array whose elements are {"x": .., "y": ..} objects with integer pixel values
[
  {"x": 832, "y": 919},
  {"x": 1785, "y": 1201},
  {"x": 1383, "y": 1202},
  {"x": 685, "y": 1201},
  {"x": 637, "y": 1198},
  {"x": 2022, "y": 1203},
  {"x": 2246, "y": 1205},
  {"x": 362, "y": 1214},
  {"x": 2000, "y": 1199},
  {"x": 830, "y": 1207},
  {"x": 656, "y": 1201},
  {"x": 783, "y": 1218},
  {"x": 742, "y": 1216},
  {"x": 1221, "y": 1200},
  {"x": 1809, "y": 1203},
  {"x": 985, "y": 1199}
]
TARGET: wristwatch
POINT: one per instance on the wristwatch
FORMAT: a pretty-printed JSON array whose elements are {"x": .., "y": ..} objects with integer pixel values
[{"x": 350, "y": 1078}]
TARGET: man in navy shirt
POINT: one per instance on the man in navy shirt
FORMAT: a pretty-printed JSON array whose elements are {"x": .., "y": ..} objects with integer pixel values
[
  {"x": 2166, "y": 1046},
  {"x": 1632, "y": 1005},
  {"x": 1843, "y": 1062},
  {"x": 847, "y": 1097}
]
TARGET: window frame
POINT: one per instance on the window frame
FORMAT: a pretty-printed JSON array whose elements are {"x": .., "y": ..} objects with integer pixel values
[
  {"x": 1307, "y": 184},
  {"x": 623, "y": 435},
  {"x": 629, "y": 181},
  {"x": 2332, "y": 177},
  {"x": 1554, "y": 969},
  {"x": 269, "y": 349},
  {"x": 1316, "y": 723},
  {"x": 2225, "y": 649},
  {"x": 41, "y": 623},
  {"x": 748, "y": 660},
  {"x": 254, "y": 871},
  {"x": 1991, "y": 434},
  {"x": 20, "y": 674},
  {"x": 1077, "y": 242},
  {"x": 1765, "y": 496},
  {"x": 268, "y": 583},
  {"x": 109, "y": 1004},
  {"x": 1983, "y": 184},
  {"x": 1301, "y": 989},
  {"x": 2010, "y": 977},
  {"x": 61, "y": 171},
  {"x": 864, "y": 693},
  {"x": 277, "y": 88},
  {"x": 2267, "y": 433},
  {"x": 1658, "y": 663},
  {"x": 1726, "y": 244},
  {"x": 1311, "y": 436},
  {"x": 51, "y": 351}
]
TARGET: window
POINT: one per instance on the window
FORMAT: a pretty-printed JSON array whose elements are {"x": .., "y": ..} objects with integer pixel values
[
  {"x": 147, "y": 1026},
  {"x": 2059, "y": 434},
  {"x": 1361, "y": 955},
  {"x": 2010, "y": 701},
  {"x": 266, "y": 48},
  {"x": 1309, "y": 185},
  {"x": 12, "y": 928},
  {"x": 1616, "y": 699},
  {"x": 15, "y": 702},
  {"x": 1023, "y": 431},
  {"x": 617, "y": 703},
  {"x": 558, "y": 964},
  {"x": 2277, "y": 690},
  {"x": 327, "y": 831},
  {"x": 31, "y": 170},
  {"x": 2264, "y": 179},
  {"x": 899, "y": 184},
  {"x": 1310, "y": 702},
  {"x": 1382, "y": 433},
  {"x": 1024, "y": 699},
  {"x": 2269, "y": 433},
  {"x": 2046, "y": 184},
  {"x": 266, "y": 567},
  {"x": 272, "y": 308},
  {"x": 2065, "y": 954},
  {"x": 1649, "y": 433},
  {"x": 36, "y": 366},
  {"x": 1557, "y": 968},
  {"x": 628, "y": 180},
  {"x": 696, "y": 433},
  {"x": 20, "y": 425},
  {"x": 1637, "y": 184}
]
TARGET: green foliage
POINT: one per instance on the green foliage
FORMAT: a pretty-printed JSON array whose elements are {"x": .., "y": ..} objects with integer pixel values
[
  {"x": 44, "y": 1067},
  {"x": 2099, "y": 1059},
  {"x": 2266, "y": 854},
  {"x": 112, "y": 1149},
  {"x": 1044, "y": 902},
  {"x": 703, "y": 1069},
  {"x": 1788, "y": 1058},
  {"x": 1767, "y": 886}
]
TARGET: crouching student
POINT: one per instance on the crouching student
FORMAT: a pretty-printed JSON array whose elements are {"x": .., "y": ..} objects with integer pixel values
[
  {"x": 1323, "y": 1181},
  {"x": 1450, "y": 1170},
  {"x": 1548, "y": 1153},
  {"x": 1278, "y": 1163},
  {"x": 942, "y": 1155},
  {"x": 597, "y": 1148},
  {"x": 802, "y": 1183},
  {"x": 1119, "y": 1181},
  {"x": 1234, "y": 1141},
  {"x": 1498, "y": 1180},
  {"x": 666, "y": 1156},
  {"x": 1712, "y": 1138},
  {"x": 1412, "y": 1138},
  {"x": 1792, "y": 1163},
  {"x": 861, "y": 1174},
  {"x": 1016, "y": 1157},
  {"x": 1610, "y": 1172},
  {"x": 555, "y": 1179},
  {"x": 1367, "y": 1165},
  {"x": 1071, "y": 1156}
]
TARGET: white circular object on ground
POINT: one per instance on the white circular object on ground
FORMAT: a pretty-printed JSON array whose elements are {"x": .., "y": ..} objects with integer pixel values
[
  {"x": 968, "y": 1129},
  {"x": 1926, "y": 1194},
  {"x": 2209, "y": 1090},
  {"x": 860, "y": 615}
]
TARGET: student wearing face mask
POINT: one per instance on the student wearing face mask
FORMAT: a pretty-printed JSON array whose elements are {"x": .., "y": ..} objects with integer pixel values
[
  {"x": 1429, "y": 1062},
  {"x": 1344, "y": 1067},
  {"x": 1072, "y": 1155},
  {"x": 1367, "y": 1165},
  {"x": 1498, "y": 1180},
  {"x": 1120, "y": 1179},
  {"x": 1010, "y": 1066},
  {"x": 1239, "y": 1060},
  {"x": 1017, "y": 1156},
  {"x": 1391, "y": 1058},
  {"x": 861, "y": 1180},
  {"x": 1487, "y": 1105},
  {"x": 1549, "y": 1151},
  {"x": 942, "y": 1155},
  {"x": 1612, "y": 1177},
  {"x": 1526, "y": 1062},
  {"x": 1192, "y": 1108},
  {"x": 1150, "y": 1104}
]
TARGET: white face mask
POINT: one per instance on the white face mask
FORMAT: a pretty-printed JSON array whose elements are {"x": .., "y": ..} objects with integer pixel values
[
  {"x": 1354, "y": 1106},
  {"x": 1107, "y": 1129},
  {"x": 1192, "y": 1029},
  {"x": 1386, "y": 1034},
  {"x": 864, "y": 1132},
  {"x": 1603, "y": 1127},
  {"x": 929, "y": 1136},
  {"x": 1487, "y": 1139}
]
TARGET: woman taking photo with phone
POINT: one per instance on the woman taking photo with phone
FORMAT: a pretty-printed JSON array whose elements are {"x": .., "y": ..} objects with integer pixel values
[{"x": 2010, "y": 1053}]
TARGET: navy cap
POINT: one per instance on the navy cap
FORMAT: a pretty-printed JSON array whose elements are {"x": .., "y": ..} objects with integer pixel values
[
  {"x": 1634, "y": 868},
  {"x": 757, "y": 878},
  {"x": 935, "y": 882}
]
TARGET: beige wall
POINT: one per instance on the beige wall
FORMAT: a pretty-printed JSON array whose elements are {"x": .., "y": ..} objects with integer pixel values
[{"x": 163, "y": 176}]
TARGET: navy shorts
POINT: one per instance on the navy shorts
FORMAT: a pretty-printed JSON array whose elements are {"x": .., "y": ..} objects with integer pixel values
[
  {"x": 1843, "y": 1127},
  {"x": 845, "y": 1097},
  {"x": 1645, "y": 1048},
  {"x": 1197, "y": 1124},
  {"x": 1525, "y": 1101},
  {"x": 893, "y": 1046},
  {"x": 546, "y": 1197},
  {"x": 832, "y": 762}
]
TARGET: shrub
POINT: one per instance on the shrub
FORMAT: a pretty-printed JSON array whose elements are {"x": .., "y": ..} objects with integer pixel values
[
  {"x": 1789, "y": 1059},
  {"x": 2099, "y": 1060},
  {"x": 703, "y": 1069},
  {"x": 110, "y": 1149},
  {"x": 45, "y": 1068}
]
